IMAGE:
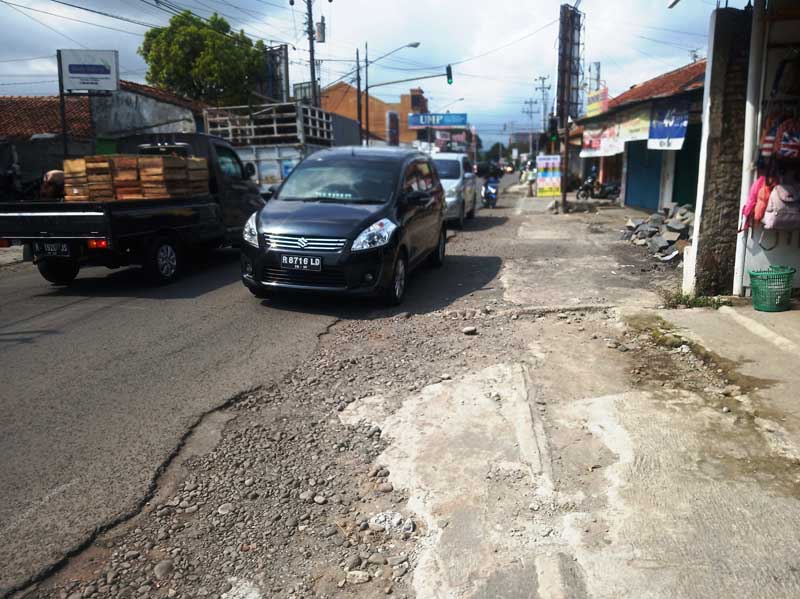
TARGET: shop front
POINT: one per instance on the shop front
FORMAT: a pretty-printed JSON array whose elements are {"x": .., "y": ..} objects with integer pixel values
[
  {"x": 770, "y": 202},
  {"x": 651, "y": 148}
]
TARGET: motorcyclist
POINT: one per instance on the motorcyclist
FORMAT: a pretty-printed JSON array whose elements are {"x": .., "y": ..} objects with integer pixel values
[{"x": 493, "y": 180}]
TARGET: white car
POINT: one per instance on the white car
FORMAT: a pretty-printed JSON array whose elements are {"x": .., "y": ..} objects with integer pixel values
[{"x": 458, "y": 180}]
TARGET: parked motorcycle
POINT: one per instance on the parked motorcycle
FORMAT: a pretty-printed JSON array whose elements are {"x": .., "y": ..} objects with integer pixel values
[
  {"x": 489, "y": 193},
  {"x": 591, "y": 188}
]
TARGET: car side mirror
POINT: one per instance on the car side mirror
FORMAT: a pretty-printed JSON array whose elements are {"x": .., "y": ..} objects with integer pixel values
[
  {"x": 249, "y": 170},
  {"x": 416, "y": 198},
  {"x": 270, "y": 193}
]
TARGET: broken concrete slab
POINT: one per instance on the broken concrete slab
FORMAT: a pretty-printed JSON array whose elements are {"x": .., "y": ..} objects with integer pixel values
[
  {"x": 634, "y": 222},
  {"x": 657, "y": 243}
]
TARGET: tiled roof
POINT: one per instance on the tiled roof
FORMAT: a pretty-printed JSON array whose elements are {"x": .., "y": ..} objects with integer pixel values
[
  {"x": 162, "y": 95},
  {"x": 684, "y": 79},
  {"x": 24, "y": 116}
]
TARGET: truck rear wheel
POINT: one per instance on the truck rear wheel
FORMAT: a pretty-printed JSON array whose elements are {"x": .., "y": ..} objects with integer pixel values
[
  {"x": 59, "y": 271},
  {"x": 163, "y": 260}
]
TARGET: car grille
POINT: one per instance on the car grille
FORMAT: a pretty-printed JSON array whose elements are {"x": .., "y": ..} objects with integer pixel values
[
  {"x": 327, "y": 278},
  {"x": 299, "y": 242}
]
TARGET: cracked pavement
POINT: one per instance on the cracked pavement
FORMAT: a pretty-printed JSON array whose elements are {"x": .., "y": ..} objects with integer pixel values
[{"x": 578, "y": 445}]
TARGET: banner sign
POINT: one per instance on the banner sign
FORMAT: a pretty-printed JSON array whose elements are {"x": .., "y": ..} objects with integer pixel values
[
  {"x": 597, "y": 102},
  {"x": 634, "y": 125},
  {"x": 446, "y": 120},
  {"x": 548, "y": 177},
  {"x": 89, "y": 70},
  {"x": 668, "y": 125}
]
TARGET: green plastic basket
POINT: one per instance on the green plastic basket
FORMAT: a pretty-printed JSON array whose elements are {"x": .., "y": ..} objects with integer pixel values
[{"x": 772, "y": 289}]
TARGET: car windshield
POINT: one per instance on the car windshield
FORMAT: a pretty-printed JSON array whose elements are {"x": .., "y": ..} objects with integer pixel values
[
  {"x": 350, "y": 181},
  {"x": 448, "y": 169}
]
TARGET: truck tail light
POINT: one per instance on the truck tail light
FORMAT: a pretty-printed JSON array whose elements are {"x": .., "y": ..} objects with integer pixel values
[
  {"x": 97, "y": 244},
  {"x": 5, "y": 243}
]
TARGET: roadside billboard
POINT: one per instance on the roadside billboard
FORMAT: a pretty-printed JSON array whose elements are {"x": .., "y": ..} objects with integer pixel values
[
  {"x": 597, "y": 102},
  {"x": 434, "y": 120},
  {"x": 548, "y": 176},
  {"x": 91, "y": 70}
]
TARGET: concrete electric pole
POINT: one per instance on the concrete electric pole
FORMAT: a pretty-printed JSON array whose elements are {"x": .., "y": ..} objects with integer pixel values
[{"x": 311, "y": 32}]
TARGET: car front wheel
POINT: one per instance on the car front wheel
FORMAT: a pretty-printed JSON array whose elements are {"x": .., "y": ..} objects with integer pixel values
[{"x": 396, "y": 291}]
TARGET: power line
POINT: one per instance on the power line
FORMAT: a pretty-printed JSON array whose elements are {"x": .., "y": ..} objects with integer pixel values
[
  {"x": 53, "y": 29},
  {"x": 29, "y": 82},
  {"x": 27, "y": 59},
  {"x": 106, "y": 14},
  {"x": 74, "y": 20}
]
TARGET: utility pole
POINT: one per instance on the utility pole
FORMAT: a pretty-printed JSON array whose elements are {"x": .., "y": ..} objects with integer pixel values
[
  {"x": 528, "y": 110},
  {"x": 366, "y": 83},
  {"x": 313, "y": 61},
  {"x": 358, "y": 98},
  {"x": 543, "y": 88},
  {"x": 596, "y": 75}
]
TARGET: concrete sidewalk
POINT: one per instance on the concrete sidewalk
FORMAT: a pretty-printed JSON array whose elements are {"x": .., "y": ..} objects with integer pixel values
[
  {"x": 12, "y": 255},
  {"x": 625, "y": 452}
]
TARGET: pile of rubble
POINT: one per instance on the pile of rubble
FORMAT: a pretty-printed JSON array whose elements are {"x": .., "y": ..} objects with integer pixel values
[{"x": 665, "y": 237}]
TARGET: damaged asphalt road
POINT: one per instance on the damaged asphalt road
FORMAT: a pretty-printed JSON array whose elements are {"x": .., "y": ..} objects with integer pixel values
[{"x": 525, "y": 427}]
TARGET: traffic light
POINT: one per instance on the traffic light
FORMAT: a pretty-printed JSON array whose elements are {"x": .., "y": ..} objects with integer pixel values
[
  {"x": 552, "y": 128},
  {"x": 449, "y": 72}
]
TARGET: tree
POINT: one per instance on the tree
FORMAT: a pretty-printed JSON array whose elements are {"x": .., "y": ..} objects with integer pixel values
[
  {"x": 498, "y": 150},
  {"x": 204, "y": 60}
]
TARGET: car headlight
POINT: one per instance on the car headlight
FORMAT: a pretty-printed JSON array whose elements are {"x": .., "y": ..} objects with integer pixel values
[
  {"x": 251, "y": 231},
  {"x": 376, "y": 235}
]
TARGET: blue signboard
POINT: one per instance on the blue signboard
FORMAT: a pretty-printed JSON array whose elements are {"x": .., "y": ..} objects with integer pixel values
[
  {"x": 668, "y": 124},
  {"x": 436, "y": 120}
]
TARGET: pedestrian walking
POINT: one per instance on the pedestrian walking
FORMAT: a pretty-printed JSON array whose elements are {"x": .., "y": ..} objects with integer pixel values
[{"x": 530, "y": 178}]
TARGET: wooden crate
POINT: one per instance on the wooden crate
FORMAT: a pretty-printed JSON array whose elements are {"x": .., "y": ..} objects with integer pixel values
[{"x": 75, "y": 167}]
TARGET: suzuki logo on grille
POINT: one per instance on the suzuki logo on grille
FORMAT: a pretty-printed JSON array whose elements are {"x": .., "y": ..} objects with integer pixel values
[{"x": 302, "y": 242}]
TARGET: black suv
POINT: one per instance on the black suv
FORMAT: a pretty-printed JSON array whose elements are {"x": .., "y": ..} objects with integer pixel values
[{"x": 348, "y": 220}]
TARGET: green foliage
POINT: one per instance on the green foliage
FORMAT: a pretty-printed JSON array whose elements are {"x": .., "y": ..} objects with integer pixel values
[
  {"x": 677, "y": 299},
  {"x": 203, "y": 60}
]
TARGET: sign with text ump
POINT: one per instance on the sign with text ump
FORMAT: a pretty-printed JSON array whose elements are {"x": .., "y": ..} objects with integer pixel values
[
  {"x": 434, "y": 120},
  {"x": 92, "y": 70}
]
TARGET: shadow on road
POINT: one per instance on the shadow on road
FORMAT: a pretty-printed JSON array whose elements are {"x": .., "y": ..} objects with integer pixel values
[
  {"x": 215, "y": 270},
  {"x": 484, "y": 222},
  {"x": 428, "y": 290}
]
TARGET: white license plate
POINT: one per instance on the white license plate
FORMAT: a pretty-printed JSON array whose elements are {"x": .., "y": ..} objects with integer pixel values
[
  {"x": 295, "y": 262},
  {"x": 54, "y": 248}
]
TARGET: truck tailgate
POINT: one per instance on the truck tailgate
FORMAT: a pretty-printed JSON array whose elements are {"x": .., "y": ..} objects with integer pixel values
[{"x": 61, "y": 220}]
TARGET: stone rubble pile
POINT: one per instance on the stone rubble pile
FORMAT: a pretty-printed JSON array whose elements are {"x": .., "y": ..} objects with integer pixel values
[{"x": 665, "y": 237}]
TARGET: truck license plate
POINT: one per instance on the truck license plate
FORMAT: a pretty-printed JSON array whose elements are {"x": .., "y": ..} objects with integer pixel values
[
  {"x": 53, "y": 248},
  {"x": 293, "y": 262}
]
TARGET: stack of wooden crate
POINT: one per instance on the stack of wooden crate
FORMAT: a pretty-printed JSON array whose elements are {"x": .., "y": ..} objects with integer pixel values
[
  {"x": 76, "y": 183},
  {"x": 198, "y": 175},
  {"x": 125, "y": 175},
  {"x": 98, "y": 171},
  {"x": 163, "y": 176}
]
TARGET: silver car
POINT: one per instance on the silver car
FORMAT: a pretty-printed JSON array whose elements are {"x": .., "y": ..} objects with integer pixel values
[{"x": 458, "y": 180}]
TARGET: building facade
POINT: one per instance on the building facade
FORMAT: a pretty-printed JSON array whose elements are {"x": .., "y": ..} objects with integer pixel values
[{"x": 342, "y": 99}]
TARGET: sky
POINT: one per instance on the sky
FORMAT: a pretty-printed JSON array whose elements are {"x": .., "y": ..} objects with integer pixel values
[{"x": 497, "y": 47}]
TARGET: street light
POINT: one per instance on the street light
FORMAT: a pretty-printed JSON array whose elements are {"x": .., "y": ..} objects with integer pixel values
[{"x": 366, "y": 75}]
